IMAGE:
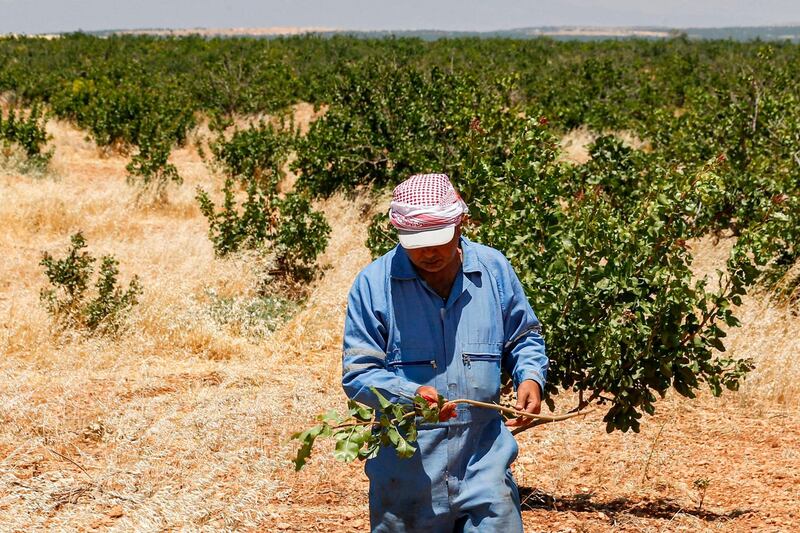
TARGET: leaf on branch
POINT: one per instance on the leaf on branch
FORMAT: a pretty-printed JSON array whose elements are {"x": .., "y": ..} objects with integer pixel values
[
  {"x": 331, "y": 417},
  {"x": 346, "y": 450},
  {"x": 381, "y": 399},
  {"x": 360, "y": 412},
  {"x": 306, "y": 439},
  {"x": 404, "y": 449}
]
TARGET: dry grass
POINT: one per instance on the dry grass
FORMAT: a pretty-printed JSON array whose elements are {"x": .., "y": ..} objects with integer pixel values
[
  {"x": 183, "y": 423},
  {"x": 575, "y": 144},
  {"x": 770, "y": 334}
]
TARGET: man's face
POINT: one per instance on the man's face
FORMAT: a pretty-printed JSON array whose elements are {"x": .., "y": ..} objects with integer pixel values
[{"x": 434, "y": 259}]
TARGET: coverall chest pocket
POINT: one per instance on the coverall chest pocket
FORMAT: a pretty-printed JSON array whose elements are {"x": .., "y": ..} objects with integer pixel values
[
  {"x": 482, "y": 368},
  {"x": 416, "y": 365}
]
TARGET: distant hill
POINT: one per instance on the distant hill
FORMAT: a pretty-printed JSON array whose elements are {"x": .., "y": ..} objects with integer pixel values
[{"x": 764, "y": 33}]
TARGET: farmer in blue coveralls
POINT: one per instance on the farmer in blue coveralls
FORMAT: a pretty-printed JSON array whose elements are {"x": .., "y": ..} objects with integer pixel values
[{"x": 440, "y": 314}]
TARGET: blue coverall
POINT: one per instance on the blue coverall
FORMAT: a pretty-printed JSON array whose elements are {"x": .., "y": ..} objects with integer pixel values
[{"x": 399, "y": 334}]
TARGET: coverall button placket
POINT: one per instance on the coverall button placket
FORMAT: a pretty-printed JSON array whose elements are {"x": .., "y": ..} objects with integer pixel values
[
  {"x": 452, "y": 448},
  {"x": 455, "y": 378}
]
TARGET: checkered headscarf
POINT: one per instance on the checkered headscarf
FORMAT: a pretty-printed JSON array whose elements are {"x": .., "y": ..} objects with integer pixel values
[{"x": 426, "y": 202}]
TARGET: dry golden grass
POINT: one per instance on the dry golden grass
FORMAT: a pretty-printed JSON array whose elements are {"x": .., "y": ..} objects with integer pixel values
[
  {"x": 180, "y": 418},
  {"x": 770, "y": 333},
  {"x": 575, "y": 144},
  {"x": 184, "y": 423}
]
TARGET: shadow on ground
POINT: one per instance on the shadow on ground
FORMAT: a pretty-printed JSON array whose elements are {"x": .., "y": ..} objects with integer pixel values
[{"x": 533, "y": 499}]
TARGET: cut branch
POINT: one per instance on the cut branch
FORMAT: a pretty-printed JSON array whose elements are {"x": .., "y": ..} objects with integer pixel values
[{"x": 537, "y": 420}]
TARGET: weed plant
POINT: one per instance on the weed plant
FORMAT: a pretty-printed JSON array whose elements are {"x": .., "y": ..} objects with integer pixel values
[{"x": 72, "y": 304}]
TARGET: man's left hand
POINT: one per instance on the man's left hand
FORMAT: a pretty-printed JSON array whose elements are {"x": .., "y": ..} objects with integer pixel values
[{"x": 529, "y": 399}]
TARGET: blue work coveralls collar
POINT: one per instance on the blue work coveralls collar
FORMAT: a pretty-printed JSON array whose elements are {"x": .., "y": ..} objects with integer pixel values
[{"x": 403, "y": 269}]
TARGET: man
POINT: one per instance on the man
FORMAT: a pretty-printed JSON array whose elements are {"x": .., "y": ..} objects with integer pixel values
[{"x": 440, "y": 314}]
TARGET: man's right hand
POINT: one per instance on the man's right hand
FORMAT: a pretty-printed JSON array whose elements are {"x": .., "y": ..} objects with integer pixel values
[{"x": 432, "y": 396}]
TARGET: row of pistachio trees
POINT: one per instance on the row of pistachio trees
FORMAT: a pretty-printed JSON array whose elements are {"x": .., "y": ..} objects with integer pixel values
[{"x": 601, "y": 248}]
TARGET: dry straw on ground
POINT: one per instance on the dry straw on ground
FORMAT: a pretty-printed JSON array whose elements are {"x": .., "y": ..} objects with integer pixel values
[
  {"x": 183, "y": 422},
  {"x": 575, "y": 144}
]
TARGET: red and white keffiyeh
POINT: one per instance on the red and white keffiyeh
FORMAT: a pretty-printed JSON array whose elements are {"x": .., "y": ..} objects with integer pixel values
[{"x": 426, "y": 202}]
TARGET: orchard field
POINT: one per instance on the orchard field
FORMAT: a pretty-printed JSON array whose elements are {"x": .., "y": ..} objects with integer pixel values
[{"x": 182, "y": 219}]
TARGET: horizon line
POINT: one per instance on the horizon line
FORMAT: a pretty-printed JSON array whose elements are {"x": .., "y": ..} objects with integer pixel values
[{"x": 298, "y": 30}]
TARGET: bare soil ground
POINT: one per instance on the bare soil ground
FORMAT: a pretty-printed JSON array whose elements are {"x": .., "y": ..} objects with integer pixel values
[{"x": 183, "y": 423}]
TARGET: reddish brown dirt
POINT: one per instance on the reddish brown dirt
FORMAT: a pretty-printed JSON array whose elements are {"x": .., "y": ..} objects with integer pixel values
[
  {"x": 575, "y": 477},
  {"x": 572, "y": 475}
]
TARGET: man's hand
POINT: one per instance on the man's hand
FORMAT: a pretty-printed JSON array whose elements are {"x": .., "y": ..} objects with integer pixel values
[
  {"x": 429, "y": 393},
  {"x": 529, "y": 399}
]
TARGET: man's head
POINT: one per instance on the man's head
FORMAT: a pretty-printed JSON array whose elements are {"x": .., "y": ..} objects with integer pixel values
[
  {"x": 433, "y": 259},
  {"x": 426, "y": 210}
]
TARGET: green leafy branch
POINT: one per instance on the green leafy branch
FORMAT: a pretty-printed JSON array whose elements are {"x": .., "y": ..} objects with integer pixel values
[{"x": 361, "y": 432}]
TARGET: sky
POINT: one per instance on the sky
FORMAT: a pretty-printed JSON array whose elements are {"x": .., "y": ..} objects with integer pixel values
[{"x": 52, "y": 16}]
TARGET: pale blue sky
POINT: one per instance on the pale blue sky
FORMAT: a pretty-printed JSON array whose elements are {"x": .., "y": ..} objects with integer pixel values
[{"x": 43, "y": 16}]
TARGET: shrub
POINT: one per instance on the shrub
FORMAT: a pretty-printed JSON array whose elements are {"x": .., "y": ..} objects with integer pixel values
[
  {"x": 125, "y": 109},
  {"x": 384, "y": 124},
  {"x": 255, "y": 159},
  {"x": 230, "y": 230},
  {"x": 258, "y": 153},
  {"x": 68, "y": 301},
  {"x": 296, "y": 232},
  {"x": 240, "y": 82},
  {"x": 150, "y": 166},
  {"x": 301, "y": 235},
  {"x": 120, "y": 108},
  {"x": 28, "y": 133}
]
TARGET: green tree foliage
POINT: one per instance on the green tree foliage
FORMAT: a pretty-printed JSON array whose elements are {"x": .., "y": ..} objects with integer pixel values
[
  {"x": 27, "y": 131},
  {"x": 258, "y": 153},
  {"x": 229, "y": 229},
  {"x": 625, "y": 320},
  {"x": 385, "y": 123},
  {"x": 68, "y": 298},
  {"x": 139, "y": 114},
  {"x": 602, "y": 254},
  {"x": 301, "y": 235},
  {"x": 254, "y": 159},
  {"x": 239, "y": 80},
  {"x": 150, "y": 166}
]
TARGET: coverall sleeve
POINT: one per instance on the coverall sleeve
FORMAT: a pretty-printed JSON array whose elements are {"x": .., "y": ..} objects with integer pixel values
[
  {"x": 524, "y": 351},
  {"x": 364, "y": 351}
]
